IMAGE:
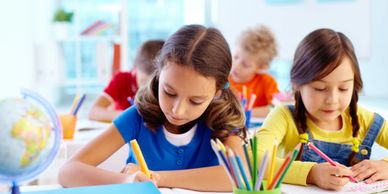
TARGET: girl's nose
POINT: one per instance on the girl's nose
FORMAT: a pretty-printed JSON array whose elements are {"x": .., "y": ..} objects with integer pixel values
[
  {"x": 178, "y": 108},
  {"x": 332, "y": 97}
]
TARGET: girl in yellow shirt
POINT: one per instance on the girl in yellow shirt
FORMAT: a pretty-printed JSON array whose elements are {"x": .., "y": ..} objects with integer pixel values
[{"x": 326, "y": 80}]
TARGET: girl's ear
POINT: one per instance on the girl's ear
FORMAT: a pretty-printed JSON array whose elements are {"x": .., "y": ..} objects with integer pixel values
[{"x": 218, "y": 94}]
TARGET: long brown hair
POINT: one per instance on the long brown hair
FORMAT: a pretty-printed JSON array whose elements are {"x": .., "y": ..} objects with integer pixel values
[
  {"x": 208, "y": 53},
  {"x": 319, "y": 53}
]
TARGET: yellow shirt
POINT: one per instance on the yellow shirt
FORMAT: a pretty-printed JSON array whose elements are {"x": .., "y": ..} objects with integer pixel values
[{"x": 280, "y": 125}]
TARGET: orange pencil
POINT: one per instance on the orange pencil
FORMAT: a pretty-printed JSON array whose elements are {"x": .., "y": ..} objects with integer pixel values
[
  {"x": 245, "y": 93},
  {"x": 140, "y": 158},
  {"x": 279, "y": 173}
]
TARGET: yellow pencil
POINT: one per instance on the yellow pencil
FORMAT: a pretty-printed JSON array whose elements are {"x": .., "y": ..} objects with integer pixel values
[
  {"x": 272, "y": 166},
  {"x": 140, "y": 158},
  {"x": 75, "y": 101}
]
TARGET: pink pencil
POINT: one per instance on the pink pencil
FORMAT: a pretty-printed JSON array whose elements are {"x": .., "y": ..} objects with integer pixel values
[{"x": 325, "y": 157}]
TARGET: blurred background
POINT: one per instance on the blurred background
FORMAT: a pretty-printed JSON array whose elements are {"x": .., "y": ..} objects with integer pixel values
[{"x": 61, "y": 48}]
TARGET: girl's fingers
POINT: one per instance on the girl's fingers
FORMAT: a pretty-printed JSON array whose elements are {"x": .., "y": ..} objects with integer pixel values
[
  {"x": 375, "y": 177},
  {"x": 141, "y": 177},
  {"x": 339, "y": 181},
  {"x": 365, "y": 174}
]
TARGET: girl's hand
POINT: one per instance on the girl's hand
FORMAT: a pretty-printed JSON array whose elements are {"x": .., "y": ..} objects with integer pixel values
[
  {"x": 327, "y": 176},
  {"x": 134, "y": 170},
  {"x": 371, "y": 170}
]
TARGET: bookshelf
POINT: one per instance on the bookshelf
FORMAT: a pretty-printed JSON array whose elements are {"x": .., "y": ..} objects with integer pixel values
[
  {"x": 79, "y": 61},
  {"x": 87, "y": 46}
]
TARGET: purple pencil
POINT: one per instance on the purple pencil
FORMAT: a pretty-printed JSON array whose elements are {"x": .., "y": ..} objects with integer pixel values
[{"x": 261, "y": 172}]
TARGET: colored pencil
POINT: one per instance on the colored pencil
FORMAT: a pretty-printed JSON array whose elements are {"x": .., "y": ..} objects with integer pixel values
[
  {"x": 272, "y": 165},
  {"x": 222, "y": 160},
  {"x": 261, "y": 172},
  {"x": 279, "y": 173},
  {"x": 288, "y": 167},
  {"x": 234, "y": 166},
  {"x": 242, "y": 171},
  {"x": 79, "y": 104},
  {"x": 140, "y": 158},
  {"x": 325, "y": 157}
]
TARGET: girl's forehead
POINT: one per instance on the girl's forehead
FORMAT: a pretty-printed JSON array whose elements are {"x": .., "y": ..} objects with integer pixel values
[
  {"x": 344, "y": 72},
  {"x": 185, "y": 78}
]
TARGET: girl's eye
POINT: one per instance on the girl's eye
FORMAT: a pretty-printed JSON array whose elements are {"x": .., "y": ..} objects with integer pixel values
[
  {"x": 169, "y": 94},
  {"x": 195, "y": 103},
  {"x": 320, "y": 89},
  {"x": 344, "y": 89}
]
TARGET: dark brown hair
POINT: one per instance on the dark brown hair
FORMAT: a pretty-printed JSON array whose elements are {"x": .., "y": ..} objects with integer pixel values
[
  {"x": 207, "y": 52},
  {"x": 145, "y": 57},
  {"x": 319, "y": 53}
]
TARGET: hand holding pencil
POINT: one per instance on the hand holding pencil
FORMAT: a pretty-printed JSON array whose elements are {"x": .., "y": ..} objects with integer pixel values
[
  {"x": 146, "y": 174},
  {"x": 330, "y": 175}
]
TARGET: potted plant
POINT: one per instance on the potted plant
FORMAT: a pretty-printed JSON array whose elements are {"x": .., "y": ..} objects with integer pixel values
[{"x": 62, "y": 20}]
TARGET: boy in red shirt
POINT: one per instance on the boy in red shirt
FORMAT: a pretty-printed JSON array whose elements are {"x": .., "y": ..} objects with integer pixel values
[
  {"x": 255, "y": 51},
  {"x": 121, "y": 90}
]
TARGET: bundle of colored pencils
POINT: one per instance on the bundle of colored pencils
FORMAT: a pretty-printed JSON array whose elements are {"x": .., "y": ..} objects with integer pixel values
[
  {"x": 247, "y": 101},
  {"x": 253, "y": 180},
  {"x": 77, "y": 103}
]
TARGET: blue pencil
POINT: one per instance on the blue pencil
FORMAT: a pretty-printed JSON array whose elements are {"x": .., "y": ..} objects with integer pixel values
[
  {"x": 247, "y": 184},
  {"x": 80, "y": 102},
  {"x": 235, "y": 168},
  {"x": 222, "y": 160}
]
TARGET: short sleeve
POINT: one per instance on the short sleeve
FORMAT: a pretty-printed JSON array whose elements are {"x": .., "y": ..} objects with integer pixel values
[
  {"x": 271, "y": 88},
  {"x": 129, "y": 123},
  {"x": 112, "y": 88}
]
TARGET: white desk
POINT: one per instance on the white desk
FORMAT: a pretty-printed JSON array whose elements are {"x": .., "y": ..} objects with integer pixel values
[{"x": 86, "y": 130}]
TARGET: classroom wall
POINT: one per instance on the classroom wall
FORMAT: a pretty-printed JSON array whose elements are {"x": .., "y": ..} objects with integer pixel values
[
  {"x": 372, "y": 25},
  {"x": 375, "y": 69},
  {"x": 16, "y": 48},
  {"x": 18, "y": 30}
]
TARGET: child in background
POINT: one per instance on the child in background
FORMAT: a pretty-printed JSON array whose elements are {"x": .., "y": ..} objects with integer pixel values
[
  {"x": 120, "y": 92},
  {"x": 326, "y": 80},
  {"x": 255, "y": 51},
  {"x": 187, "y": 102}
]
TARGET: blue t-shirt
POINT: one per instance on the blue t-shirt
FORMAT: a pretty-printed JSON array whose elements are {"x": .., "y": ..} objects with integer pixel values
[{"x": 158, "y": 152}]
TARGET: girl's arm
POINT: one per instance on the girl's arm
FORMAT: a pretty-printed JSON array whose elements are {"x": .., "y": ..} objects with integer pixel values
[
  {"x": 100, "y": 110},
  {"x": 374, "y": 170},
  {"x": 203, "y": 179},
  {"x": 82, "y": 170}
]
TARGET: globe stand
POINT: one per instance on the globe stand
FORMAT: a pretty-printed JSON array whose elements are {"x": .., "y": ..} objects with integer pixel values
[{"x": 15, "y": 188}]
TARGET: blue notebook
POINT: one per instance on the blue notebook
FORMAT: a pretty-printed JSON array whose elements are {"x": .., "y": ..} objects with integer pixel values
[{"x": 144, "y": 187}]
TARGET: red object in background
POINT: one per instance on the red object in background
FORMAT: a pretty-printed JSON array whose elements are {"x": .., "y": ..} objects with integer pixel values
[{"x": 116, "y": 64}]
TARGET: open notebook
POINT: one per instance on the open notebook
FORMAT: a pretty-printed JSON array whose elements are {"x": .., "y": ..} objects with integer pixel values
[
  {"x": 350, "y": 188},
  {"x": 380, "y": 186}
]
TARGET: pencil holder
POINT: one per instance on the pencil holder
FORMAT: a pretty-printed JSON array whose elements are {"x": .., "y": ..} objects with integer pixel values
[
  {"x": 68, "y": 122},
  {"x": 243, "y": 191},
  {"x": 247, "y": 118}
]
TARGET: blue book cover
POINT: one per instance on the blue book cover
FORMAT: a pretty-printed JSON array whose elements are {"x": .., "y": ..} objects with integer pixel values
[{"x": 144, "y": 187}]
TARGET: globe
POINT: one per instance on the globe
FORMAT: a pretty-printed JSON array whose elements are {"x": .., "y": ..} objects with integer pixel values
[{"x": 30, "y": 136}]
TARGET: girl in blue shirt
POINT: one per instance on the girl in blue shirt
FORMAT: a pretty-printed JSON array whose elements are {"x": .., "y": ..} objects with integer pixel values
[{"x": 187, "y": 102}]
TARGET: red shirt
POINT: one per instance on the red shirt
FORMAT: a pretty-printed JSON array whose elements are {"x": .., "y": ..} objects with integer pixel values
[
  {"x": 263, "y": 85},
  {"x": 122, "y": 86}
]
